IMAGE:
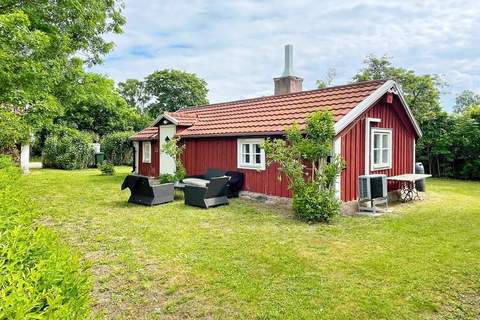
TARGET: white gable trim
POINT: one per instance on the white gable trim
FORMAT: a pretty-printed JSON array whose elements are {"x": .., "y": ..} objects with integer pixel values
[
  {"x": 164, "y": 116},
  {"x": 370, "y": 101}
]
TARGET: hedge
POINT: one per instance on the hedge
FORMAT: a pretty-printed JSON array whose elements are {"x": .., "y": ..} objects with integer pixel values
[
  {"x": 68, "y": 149},
  {"x": 117, "y": 148},
  {"x": 39, "y": 277}
]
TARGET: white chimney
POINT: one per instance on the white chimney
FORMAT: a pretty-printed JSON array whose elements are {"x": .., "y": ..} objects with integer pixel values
[{"x": 288, "y": 71}]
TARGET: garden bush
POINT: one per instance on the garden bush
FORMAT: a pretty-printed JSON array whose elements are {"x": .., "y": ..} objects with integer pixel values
[
  {"x": 107, "y": 168},
  {"x": 167, "y": 178},
  {"x": 68, "y": 149},
  {"x": 305, "y": 159},
  {"x": 311, "y": 205},
  {"x": 39, "y": 277},
  {"x": 117, "y": 148}
]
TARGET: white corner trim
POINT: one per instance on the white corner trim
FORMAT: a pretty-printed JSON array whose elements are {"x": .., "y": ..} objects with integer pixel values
[
  {"x": 337, "y": 150},
  {"x": 240, "y": 164},
  {"x": 367, "y": 143},
  {"x": 414, "y": 142},
  {"x": 372, "y": 99}
]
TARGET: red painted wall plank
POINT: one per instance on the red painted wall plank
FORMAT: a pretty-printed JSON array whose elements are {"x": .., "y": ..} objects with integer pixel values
[{"x": 353, "y": 146}]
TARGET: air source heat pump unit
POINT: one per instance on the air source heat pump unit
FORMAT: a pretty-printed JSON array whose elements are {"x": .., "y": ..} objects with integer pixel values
[
  {"x": 372, "y": 186},
  {"x": 372, "y": 191}
]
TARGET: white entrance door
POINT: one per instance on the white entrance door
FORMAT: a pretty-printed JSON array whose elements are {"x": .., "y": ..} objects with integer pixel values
[{"x": 167, "y": 163}]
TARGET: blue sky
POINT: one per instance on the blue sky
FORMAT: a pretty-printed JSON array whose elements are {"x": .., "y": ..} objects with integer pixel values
[{"x": 237, "y": 46}]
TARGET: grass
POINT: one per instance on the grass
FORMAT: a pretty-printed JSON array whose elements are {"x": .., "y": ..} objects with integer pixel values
[{"x": 249, "y": 260}]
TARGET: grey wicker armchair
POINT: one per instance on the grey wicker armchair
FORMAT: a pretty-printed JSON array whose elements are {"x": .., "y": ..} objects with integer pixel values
[
  {"x": 147, "y": 192},
  {"x": 208, "y": 194}
]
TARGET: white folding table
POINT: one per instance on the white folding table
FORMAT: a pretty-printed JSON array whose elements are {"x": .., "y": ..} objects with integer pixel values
[{"x": 408, "y": 192}]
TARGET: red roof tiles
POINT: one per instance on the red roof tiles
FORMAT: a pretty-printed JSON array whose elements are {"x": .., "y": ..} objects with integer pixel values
[{"x": 269, "y": 115}]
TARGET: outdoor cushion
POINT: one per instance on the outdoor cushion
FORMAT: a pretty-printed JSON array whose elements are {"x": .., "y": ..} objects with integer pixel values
[{"x": 196, "y": 182}]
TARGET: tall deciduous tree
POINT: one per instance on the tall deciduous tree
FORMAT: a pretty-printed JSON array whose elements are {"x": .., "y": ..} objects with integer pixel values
[
  {"x": 422, "y": 92},
  {"x": 133, "y": 91},
  {"x": 72, "y": 26},
  {"x": 172, "y": 90},
  {"x": 38, "y": 39},
  {"x": 92, "y": 104},
  {"x": 465, "y": 100}
]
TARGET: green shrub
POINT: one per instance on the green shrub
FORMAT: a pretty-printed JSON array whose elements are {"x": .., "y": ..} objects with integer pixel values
[
  {"x": 310, "y": 205},
  {"x": 68, "y": 149},
  {"x": 39, "y": 277},
  {"x": 314, "y": 198},
  {"x": 117, "y": 148},
  {"x": 8, "y": 172},
  {"x": 107, "y": 168},
  {"x": 167, "y": 178}
]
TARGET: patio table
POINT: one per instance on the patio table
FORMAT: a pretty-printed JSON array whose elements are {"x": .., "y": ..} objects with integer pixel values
[{"x": 408, "y": 192}]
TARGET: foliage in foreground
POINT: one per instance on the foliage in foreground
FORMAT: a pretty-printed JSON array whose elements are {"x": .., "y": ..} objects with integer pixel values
[
  {"x": 68, "y": 149},
  {"x": 13, "y": 131},
  {"x": 314, "y": 197},
  {"x": 39, "y": 277},
  {"x": 174, "y": 149},
  {"x": 106, "y": 168},
  {"x": 117, "y": 148}
]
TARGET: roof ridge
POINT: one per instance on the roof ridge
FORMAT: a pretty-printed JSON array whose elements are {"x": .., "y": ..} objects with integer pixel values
[{"x": 273, "y": 97}]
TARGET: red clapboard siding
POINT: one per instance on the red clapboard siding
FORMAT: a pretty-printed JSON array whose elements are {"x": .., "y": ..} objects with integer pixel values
[
  {"x": 221, "y": 153},
  {"x": 392, "y": 116}
]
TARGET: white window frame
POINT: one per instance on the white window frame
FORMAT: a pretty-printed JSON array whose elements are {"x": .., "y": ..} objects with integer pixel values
[
  {"x": 146, "y": 146},
  {"x": 384, "y": 165},
  {"x": 241, "y": 164}
]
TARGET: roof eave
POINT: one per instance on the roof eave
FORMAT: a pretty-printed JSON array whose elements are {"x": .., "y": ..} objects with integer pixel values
[
  {"x": 164, "y": 116},
  {"x": 351, "y": 116}
]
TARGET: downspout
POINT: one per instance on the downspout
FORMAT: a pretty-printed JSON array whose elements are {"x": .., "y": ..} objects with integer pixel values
[{"x": 367, "y": 142}]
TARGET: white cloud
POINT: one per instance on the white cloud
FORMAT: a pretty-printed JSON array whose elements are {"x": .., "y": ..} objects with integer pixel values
[{"x": 237, "y": 46}]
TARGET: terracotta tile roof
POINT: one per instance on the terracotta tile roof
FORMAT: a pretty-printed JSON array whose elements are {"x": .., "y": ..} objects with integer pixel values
[
  {"x": 271, "y": 114},
  {"x": 149, "y": 133}
]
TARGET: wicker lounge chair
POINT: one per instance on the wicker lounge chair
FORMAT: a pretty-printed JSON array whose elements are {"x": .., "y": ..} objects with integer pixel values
[
  {"x": 234, "y": 184},
  {"x": 145, "y": 191},
  {"x": 206, "y": 193}
]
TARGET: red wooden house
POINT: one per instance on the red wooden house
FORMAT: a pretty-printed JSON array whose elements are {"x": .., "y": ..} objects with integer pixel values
[{"x": 375, "y": 133}]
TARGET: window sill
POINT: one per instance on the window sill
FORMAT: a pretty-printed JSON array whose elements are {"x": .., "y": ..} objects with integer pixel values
[
  {"x": 148, "y": 162},
  {"x": 378, "y": 168},
  {"x": 258, "y": 168}
]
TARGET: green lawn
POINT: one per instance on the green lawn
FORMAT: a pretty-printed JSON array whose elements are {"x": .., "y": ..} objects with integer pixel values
[{"x": 249, "y": 260}]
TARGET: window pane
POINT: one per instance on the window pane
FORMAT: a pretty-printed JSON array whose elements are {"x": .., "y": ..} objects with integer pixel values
[
  {"x": 246, "y": 158},
  {"x": 256, "y": 148},
  {"x": 376, "y": 156},
  {"x": 376, "y": 140},
  {"x": 257, "y": 159},
  {"x": 385, "y": 156},
  {"x": 385, "y": 140},
  {"x": 245, "y": 148}
]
